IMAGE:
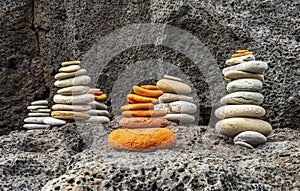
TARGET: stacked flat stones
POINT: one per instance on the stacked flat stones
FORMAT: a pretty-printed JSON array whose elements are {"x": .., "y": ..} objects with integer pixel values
[
  {"x": 39, "y": 116},
  {"x": 143, "y": 127},
  {"x": 72, "y": 98},
  {"x": 174, "y": 100},
  {"x": 99, "y": 111},
  {"x": 241, "y": 111}
]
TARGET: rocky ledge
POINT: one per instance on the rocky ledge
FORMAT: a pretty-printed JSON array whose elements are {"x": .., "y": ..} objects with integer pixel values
[{"x": 78, "y": 158}]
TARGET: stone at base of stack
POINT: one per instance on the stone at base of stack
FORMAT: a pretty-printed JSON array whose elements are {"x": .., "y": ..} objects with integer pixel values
[
  {"x": 39, "y": 116},
  {"x": 241, "y": 113}
]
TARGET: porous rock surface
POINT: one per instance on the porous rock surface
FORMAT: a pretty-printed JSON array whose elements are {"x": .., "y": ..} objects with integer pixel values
[{"x": 38, "y": 35}]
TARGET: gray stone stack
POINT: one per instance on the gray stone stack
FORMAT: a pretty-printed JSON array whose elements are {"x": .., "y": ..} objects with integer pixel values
[
  {"x": 98, "y": 109},
  {"x": 72, "y": 99},
  {"x": 39, "y": 116},
  {"x": 175, "y": 101},
  {"x": 241, "y": 111}
]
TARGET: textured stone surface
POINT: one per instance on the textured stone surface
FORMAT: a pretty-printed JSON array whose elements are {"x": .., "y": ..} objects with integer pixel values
[{"x": 36, "y": 36}]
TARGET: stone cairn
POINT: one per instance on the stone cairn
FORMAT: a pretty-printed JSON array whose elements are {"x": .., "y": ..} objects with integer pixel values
[
  {"x": 99, "y": 111},
  {"x": 174, "y": 100},
  {"x": 143, "y": 128},
  {"x": 39, "y": 116},
  {"x": 72, "y": 98},
  {"x": 241, "y": 111}
]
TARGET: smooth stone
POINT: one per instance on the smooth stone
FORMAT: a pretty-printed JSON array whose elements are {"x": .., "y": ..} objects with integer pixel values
[
  {"x": 35, "y": 126},
  {"x": 241, "y": 59},
  {"x": 238, "y": 98},
  {"x": 232, "y": 75},
  {"x": 168, "y": 97},
  {"x": 68, "y": 63},
  {"x": 138, "y": 106},
  {"x": 233, "y": 126},
  {"x": 34, "y": 120},
  {"x": 248, "y": 85},
  {"x": 75, "y": 99},
  {"x": 65, "y": 107},
  {"x": 40, "y": 102},
  {"x": 243, "y": 144},
  {"x": 98, "y": 105},
  {"x": 180, "y": 117},
  {"x": 169, "y": 77},
  {"x": 250, "y": 66},
  {"x": 32, "y": 107},
  {"x": 144, "y": 113},
  {"x": 76, "y": 81},
  {"x": 98, "y": 112},
  {"x": 177, "y": 107},
  {"x": 251, "y": 137},
  {"x": 143, "y": 122},
  {"x": 38, "y": 114},
  {"x": 73, "y": 90},
  {"x": 65, "y": 75},
  {"x": 53, "y": 121},
  {"x": 228, "y": 111},
  {"x": 172, "y": 86},
  {"x": 95, "y": 119},
  {"x": 71, "y": 68},
  {"x": 40, "y": 111},
  {"x": 70, "y": 115}
]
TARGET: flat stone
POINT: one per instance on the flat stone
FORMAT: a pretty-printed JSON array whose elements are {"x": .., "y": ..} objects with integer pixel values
[
  {"x": 98, "y": 112},
  {"x": 76, "y": 81},
  {"x": 169, "y": 77},
  {"x": 97, "y": 105},
  {"x": 138, "y": 106},
  {"x": 241, "y": 59},
  {"x": 250, "y": 66},
  {"x": 234, "y": 126},
  {"x": 147, "y": 93},
  {"x": 34, "y": 120},
  {"x": 143, "y": 122},
  {"x": 238, "y": 98},
  {"x": 232, "y": 75},
  {"x": 168, "y": 97},
  {"x": 68, "y": 63},
  {"x": 144, "y": 113},
  {"x": 71, "y": 68},
  {"x": 134, "y": 98},
  {"x": 177, "y": 107},
  {"x": 248, "y": 85},
  {"x": 74, "y": 99},
  {"x": 228, "y": 111},
  {"x": 35, "y": 126},
  {"x": 73, "y": 90},
  {"x": 251, "y": 137},
  {"x": 64, "y": 75},
  {"x": 98, "y": 119},
  {"x": 40, "y": 102},
  {"x": 172, "y": 86},
  {"x": 180, "y": 117},
  {"x": 53, "y": 121},
  {"x": 32, "y": 107},
  {"x": 40, "y": 110},
  {"x": 70, "y": 115},
  {"x": 38, "y": 114},
  {"x": 243, "y": 144},
  {"x": 65, "y": 107}
]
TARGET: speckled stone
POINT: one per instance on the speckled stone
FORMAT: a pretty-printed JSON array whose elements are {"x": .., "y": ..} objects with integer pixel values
[
  {"x": 172, "y": 86},
  {"x": 238, "y": 98},
  {"x": 251, "y": 137},
  {"x": 76, "y": 81},
  {"x": 169, "y": 97},
  {"x": 248, "y": 85},
  {"x": 228, "y": 111},
  {"x": 180, "y": 117},
  {"x": 240, "y": 75},
  {"x": 250, "y": 66},
  {"x": 177, "y": 107}
]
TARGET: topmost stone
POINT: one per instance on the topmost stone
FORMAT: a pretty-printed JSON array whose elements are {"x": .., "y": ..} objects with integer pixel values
[
  {"x": 241, "y": 59},
  {"x": 172, "y": 78},
  {"x": 68, "y": 63},
  {"x": 40, "y": 102},
  {"x": 171, "y": 86}
]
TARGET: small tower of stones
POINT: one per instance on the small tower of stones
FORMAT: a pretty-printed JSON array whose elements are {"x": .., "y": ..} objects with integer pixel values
[
  {"x": 143, "y": 126},
  {"x": 72, "y": 98},
  {"x": 241, "y": 111},
  {"x": 174, "y": 100}
]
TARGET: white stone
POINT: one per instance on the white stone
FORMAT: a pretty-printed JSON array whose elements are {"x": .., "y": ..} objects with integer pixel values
[
  {"x": 73, "y": 90},
  {"x": 38, "y": 114},
  {"x": 34, "y": 120},
  {"x": 74, "y": 99},
  {"x": 250, "y": 66},
  {"x": 98, "y": 119},
  {"x": 40, "y": 102},
  {"x": 182, "y": 118},
  {"x": 98, "y": 112},
  {"x": 76, "y": 81},
  {"x": 32, "y": 107},
  {"x": 71, "y": 68},
  {"x": 243, "y": 144},
  {"x": 40, "y": 110},
  {"x": 241, "y": 59},
  {"x": 65, "y": 107},
  {"x": 251, "y": 137},
  {"x": 68, "y": 63},
  {"x": 98, "y": 105},
  {"x": 53, "y": 121},
  {"x": 169, "y": 77},
  {"x": 168, "y": 97},
  {"x": 35, "y": 126},
  {"x": 177, "y": 107}
]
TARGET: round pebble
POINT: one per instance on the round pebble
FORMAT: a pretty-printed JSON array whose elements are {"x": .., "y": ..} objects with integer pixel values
[
  {"x": 249, "y": 85},
  {"x": 251, "y": 137},
  {"x": 250, "y": 66}
]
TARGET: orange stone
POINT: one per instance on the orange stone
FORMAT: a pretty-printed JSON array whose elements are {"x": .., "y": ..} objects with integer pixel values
[
  {"x": 71, "y": 115},
  {"x": 147, "y": 93},
  {"x": 100, "y": 97},
  {"x": 137, "y": 106},
  {"x": 141, "y": 99},
  {"x": 144, "y": 113},
  {"x": 150, "y": 87},
  {"x": 142, "y": 139},
  {"x": 143, "y": 122},
  {"x": 95, "y": 92},
  {"x": 241, "y": 54},
  {"x": 132, "y": 101}
]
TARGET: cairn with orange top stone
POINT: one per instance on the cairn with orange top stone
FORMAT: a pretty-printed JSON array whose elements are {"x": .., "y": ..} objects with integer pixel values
[{"x": 143, "y": 127}]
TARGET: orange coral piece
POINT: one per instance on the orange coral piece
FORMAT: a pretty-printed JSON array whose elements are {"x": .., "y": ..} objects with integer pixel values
[
  {"x": 100, "y": 97},
  {"x": 241, "y": 54},
  {"x": 140, "y": 99},
  {"x": 147, "y": 93},
  {"x": 137, "y": 106},
  {"x": 144, "y": 113},
  {"x": 143, "y": 122},
  {"x": 150, "y": 87}
]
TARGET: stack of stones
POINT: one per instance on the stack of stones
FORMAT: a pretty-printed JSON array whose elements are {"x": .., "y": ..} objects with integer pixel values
[
  {"x": 72, "y": 99},
  {"x": 99, "y": 111},
  {"x": 174, "y": 100},
  {"x": 241, "y": 113},
  {"x": 39, "y": 116},
  {"x": 143, "y": 127}
]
